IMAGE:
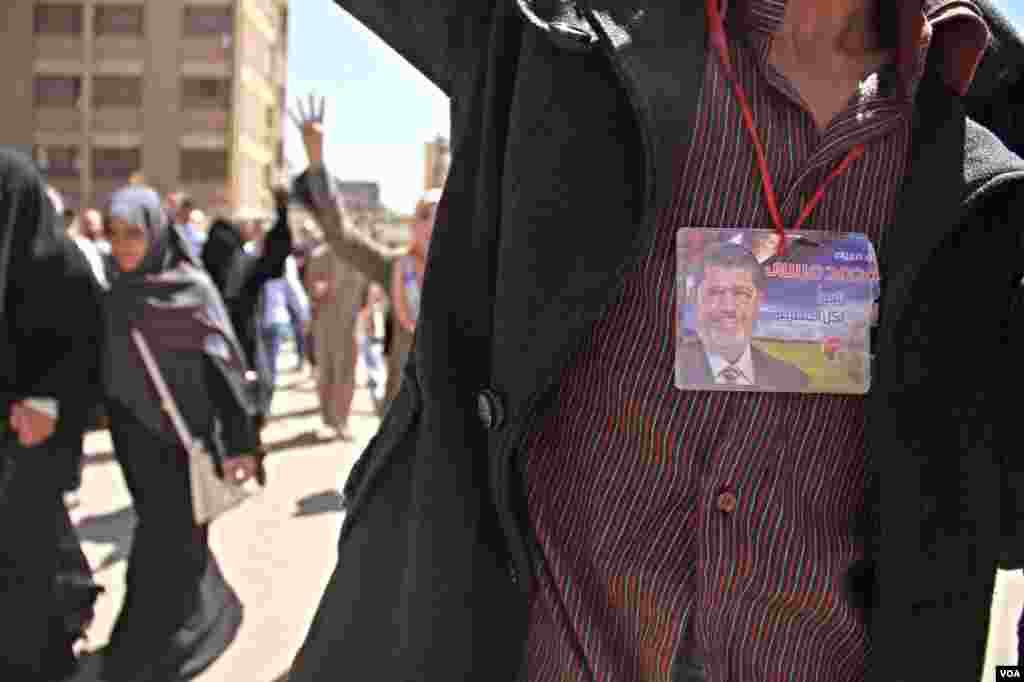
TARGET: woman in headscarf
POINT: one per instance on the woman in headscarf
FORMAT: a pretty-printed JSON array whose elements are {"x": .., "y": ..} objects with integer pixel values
[
  {"x": 407, "y": 281},
  {"x": 49, "y": 333},
  {"x": 179, "y": 612},
  {"x": 240, "y": 277}
]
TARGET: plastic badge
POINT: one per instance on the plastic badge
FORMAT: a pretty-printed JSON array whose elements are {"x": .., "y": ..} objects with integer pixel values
[{"x": 750, "y": 320}]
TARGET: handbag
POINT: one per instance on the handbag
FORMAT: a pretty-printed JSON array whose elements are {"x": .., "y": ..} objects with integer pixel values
[{"x": 211, "y": 494}]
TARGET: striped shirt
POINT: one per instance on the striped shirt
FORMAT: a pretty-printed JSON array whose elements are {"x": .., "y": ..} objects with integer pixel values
[{"x": 715, "y": 527}]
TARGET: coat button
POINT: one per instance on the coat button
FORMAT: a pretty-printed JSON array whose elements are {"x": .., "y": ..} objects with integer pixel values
[
  {"x": 726, "y": 502},
  {"x": 490, "y": 409}
]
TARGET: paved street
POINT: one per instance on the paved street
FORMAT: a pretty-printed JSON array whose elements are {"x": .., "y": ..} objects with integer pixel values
[{"x": 278, "y": 550}]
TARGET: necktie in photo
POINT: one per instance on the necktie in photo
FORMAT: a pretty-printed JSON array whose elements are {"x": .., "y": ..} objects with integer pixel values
[{"x": 730, "y": 375}]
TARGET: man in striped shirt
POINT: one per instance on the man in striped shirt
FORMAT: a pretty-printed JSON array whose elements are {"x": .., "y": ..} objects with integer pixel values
[
  {"x": 709, "y": 532},
  {"x": 543, "y": 503}
]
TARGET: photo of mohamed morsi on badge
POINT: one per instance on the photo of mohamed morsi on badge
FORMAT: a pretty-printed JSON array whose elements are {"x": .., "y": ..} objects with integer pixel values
[{"x": 754, "y": 317}]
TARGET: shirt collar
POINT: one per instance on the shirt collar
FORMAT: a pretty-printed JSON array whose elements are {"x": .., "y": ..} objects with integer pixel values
[
  {"x": 745, "y": 365},
  {"x": 956, "y": 28}
]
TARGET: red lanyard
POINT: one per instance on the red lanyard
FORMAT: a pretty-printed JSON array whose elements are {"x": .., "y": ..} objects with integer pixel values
[{"x": 716, "y": 33}]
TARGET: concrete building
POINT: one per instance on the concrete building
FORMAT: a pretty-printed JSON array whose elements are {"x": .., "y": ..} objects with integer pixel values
[
  {"x": 189, "y": 92},
  {"x": 437, "y": 157}
]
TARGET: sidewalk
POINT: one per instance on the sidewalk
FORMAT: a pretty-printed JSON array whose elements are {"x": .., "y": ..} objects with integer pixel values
[{"x": 277, "y": 550}]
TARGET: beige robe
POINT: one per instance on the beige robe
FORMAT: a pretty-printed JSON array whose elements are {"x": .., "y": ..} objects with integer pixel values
[{"x": 334, "y": 328}]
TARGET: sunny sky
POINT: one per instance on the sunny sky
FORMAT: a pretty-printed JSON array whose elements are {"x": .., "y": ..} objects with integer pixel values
[{"x": 380, "y": 110}]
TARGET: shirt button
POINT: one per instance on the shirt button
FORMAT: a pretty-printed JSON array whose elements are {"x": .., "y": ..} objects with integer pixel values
[
  {"x": 490, "y": 409},
  {"x": 726, "y": 502}
]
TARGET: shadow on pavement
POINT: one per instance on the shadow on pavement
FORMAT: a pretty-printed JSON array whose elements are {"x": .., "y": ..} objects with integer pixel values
[
  {"x": 328, "y": 501},
  {"x": 302, "y": 440},
  {"x": 308, "y": 412},
  {"x": 113, "y": 528}
]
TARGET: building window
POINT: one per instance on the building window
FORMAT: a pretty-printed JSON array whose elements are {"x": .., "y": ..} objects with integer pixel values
[
  {"x": 206, "y": 93},
  {"x": 204, "y": 165},
  {"x": 121, "y": 92},
  {"x": 58, "y": 20},
  {"x": 110, "y": 163},
  {"x": 57, "y": 161},
  {"x": 119, "y": 20},
  {"x": 57, "y": 92},
  {"x": 208, "y": 21}
]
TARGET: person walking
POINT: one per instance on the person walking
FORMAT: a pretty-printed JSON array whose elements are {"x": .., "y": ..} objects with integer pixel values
[
  {"x": 286, "y": 313},
  {"x": 99, "y": 262},
  {"x": 540, "y": 460},
  {"x": 336, "y": 289},
  {"x": 179, "y": 613},
  {"x": 376, "y": 262},
  {"x": 407, "y": 281},
  {"x": 183, "y": 208},
  {"x": 49, "y": 310},
  {"x": 307, "y": 243},
  {"x": 240, "y": 277},
  {"x": 371, "y": 341}
]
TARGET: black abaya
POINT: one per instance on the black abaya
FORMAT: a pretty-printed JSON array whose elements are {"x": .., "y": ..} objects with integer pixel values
[
  {"x": 240, "y": 277},
  {"x": 49, "y": 330},
  {"x": 179, "y": 613}
]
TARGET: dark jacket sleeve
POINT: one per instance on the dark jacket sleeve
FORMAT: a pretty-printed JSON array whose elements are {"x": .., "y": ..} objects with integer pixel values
[
  {"x": 440, "y": 38},
  {"x": 74, "y": 378},
  {"x": 276, "y": 248},
  {"x": 996, "y": 95},
  {"x": 236, "y": 432}
]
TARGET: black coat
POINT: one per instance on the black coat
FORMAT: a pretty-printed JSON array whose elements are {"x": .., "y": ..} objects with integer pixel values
[
  {"x": 569, "y": 121},
  {"x": 49, "y": 339},
  {"x": 240, "y": 277}
]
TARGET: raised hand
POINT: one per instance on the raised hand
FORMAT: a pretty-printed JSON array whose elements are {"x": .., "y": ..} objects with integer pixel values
[{"x": 310, "y": 122}]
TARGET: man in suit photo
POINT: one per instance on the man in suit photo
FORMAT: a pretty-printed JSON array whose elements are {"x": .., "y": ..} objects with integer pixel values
[{"x": 730, "y": 288}]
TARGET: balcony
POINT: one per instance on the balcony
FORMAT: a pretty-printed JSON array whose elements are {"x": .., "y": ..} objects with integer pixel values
[
  {"x": 208, "y": 49},
  {"x": 205, "y": 120},
  {"x": 119, "y": 48},
  {"x": 116, "y": 119},
  {"x": 58, "y": 120},
  {"x": 59, "y": 47}
]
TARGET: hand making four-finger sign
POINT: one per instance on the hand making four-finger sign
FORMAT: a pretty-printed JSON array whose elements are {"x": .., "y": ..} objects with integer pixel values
[{"x": 310, "y": 122}]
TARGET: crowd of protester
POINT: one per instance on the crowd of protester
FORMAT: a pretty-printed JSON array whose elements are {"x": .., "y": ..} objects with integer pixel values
[{"x": 214, "y": 301}]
